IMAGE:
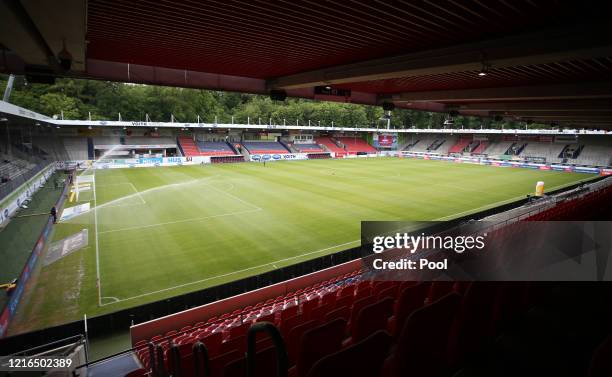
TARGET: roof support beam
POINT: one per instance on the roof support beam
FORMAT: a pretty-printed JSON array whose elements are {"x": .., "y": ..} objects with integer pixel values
[
  {"x": 557, "y": 115},
  {"x": 558, "y": 106},
  {"x": 581, "y": 43},
  {"x": 33, "y": 43},
  {"x": 516, "y": 93}
]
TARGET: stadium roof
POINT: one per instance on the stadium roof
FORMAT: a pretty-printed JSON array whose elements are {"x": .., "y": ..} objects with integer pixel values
[{"x": 544, "y": 61}]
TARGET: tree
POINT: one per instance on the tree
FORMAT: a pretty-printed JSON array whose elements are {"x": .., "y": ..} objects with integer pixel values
[{"x": 79, "y": 99}]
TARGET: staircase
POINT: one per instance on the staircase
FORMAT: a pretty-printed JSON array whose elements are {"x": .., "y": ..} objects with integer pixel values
[
  {"x": 188, "y": 146},
  {"x": 510, "y": 150},
  {"x": 330, "y": 145},
  {"x": 481, "y": 147},
  {"x": 435, "y": 145},
  {"x": 460, "y": 146}
]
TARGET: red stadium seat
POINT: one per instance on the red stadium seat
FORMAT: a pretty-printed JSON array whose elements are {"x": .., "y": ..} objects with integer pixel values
[
  {"x": 320, "y": 312},
  {"x": 473, "y": 323},
  {"x": 343, "y": 312},
  {"x": 265, "y": 364},
  {"x": 317, "y": 343},
  {"x": 410, "y": 299},
  {"x": 601, "y": 362},
  {"x": 289, "y": 323},
  {"x": 357, "y": 306},
  {"x": 308, "y": 306},
  {"x": 345, "y": 301},
  {"x": 371, "y": 318},
  {"x": 213, "y": 343},
  {"x": 233, "y": 344},
  {"x": 423, "y": 340},
  {"x": 217, "y": 364},
  {"x": 439, "y": 289},
  {"x": 239, "y": 330},
  {"x": 295, "y": 337},
  {"x": 389, "y": 292},
  {"x": 362, "y": 359}
]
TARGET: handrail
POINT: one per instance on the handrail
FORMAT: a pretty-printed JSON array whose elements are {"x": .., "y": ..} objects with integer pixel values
[
  {"x": 200, "y": 351},
  {"x": 176, "y": 360},
  {"x": 152, "y": 365},
  {"x": 70, "y": 340},
  {"x": 160, "y": 367},
  {"x": 282, "y": 361}
]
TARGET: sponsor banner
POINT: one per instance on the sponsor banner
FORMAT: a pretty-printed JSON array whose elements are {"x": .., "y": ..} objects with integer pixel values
[
  {"x": 606, "y": 172},
  {"x": 71, "y": 212},
  {"x": 514, "y": 164},
  {"x": 146, "y": 162},
  {"x": 66, "y": 246},
  {"x": 4, "y": 321},
  {"x": 13, "y": 201},
  {"x": 388, "y": 153},
  {"x": 579, "y": 169},
  {"x": 278, "y": 157}
]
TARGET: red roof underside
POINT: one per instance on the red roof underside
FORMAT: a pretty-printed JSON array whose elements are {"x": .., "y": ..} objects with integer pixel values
[
  {"x": 568, "y": 71},
  {"x": 264, "y": 39}
]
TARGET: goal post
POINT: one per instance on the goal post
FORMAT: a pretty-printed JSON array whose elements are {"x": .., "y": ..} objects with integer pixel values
[{"x": 83, "y": 183}]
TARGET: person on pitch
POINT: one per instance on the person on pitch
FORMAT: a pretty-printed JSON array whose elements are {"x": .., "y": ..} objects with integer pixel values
[{"x": 54, "y": 214}]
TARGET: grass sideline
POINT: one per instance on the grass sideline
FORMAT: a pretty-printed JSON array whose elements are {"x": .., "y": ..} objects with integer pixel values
[
  {"x": 159, "y": 232},
  {"x": 19, "y": 236}
]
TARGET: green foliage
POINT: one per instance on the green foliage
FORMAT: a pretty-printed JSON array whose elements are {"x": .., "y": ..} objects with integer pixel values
[{"x": 80, "y": 99}]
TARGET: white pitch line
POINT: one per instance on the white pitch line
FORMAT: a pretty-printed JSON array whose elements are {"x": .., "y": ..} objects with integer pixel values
[
  {"x": 233, "y": 272},
  {"x": 233, "y": 196},
  {"x": 98, "y": 279},
  {"x": 147, "y": 191},
  {"x": 137, "y": 193},
  {"x": 181, "y": 221}
]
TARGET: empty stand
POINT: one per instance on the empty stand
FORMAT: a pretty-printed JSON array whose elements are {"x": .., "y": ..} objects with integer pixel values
[
  {"x": 264, "y": 147},
  {"x": 356, "y": 145},
  {"x": 549, "y": 151},
  {"x": 308, "y": 148},
  {"x": 460, "y": 146},
  {"x": 481, "y": 148},
  {"x": 188, "y": 146},
  {"x": 362, "y": 359},
  {"x": 498, "y": 148},
  {"x": 215, "y": 148},
  {"x": 423, "y": 339},
  {"x": 329, "y": 144}
]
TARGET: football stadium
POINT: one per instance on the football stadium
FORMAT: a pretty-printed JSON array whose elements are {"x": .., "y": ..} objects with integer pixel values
[{"x": 299, "y": 188}]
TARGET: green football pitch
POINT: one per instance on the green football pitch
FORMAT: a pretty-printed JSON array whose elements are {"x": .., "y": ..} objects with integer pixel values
[{"x": 160, "y": 232}]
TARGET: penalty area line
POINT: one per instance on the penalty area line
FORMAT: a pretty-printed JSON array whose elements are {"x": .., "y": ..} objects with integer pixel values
[
  {"x": 180, "y": 221},
  {"x": 232, "y": 273}
]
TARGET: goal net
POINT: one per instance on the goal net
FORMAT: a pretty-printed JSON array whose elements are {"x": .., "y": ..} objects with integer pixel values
[{"x": 83, "y": 183}]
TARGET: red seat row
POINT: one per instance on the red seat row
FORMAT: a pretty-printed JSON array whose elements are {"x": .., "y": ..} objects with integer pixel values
[{"x": 394, "y": 328}]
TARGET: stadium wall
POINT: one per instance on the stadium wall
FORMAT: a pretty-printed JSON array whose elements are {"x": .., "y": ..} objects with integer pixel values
[{"x": 147, "y": 330}]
